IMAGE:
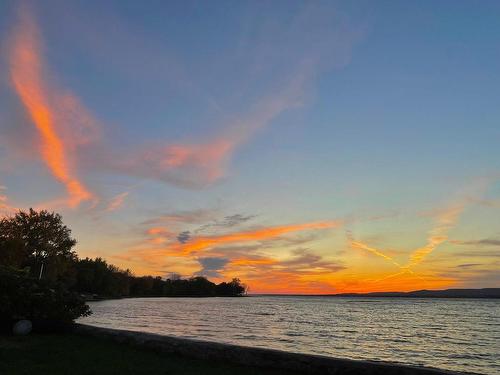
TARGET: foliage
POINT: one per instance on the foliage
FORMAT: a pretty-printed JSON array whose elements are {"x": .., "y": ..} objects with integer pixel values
[
  {"x": 33, "y": 240},
  {"x": 37, "y": 270},
  {"x": 24, "y": 297},
  {"x": 96, "y": 276},
  {"x": 41, "y": 277},
  {"x": 233, "y": 288}
]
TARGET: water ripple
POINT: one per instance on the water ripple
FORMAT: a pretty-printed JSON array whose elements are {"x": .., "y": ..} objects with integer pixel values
[{"x": 460, "y": 335}]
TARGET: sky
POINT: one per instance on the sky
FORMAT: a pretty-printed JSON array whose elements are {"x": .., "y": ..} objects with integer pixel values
[{"x": 305, "y": 147}]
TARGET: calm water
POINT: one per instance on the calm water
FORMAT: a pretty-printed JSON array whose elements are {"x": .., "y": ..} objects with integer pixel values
[{"x": 459, "y": 335}]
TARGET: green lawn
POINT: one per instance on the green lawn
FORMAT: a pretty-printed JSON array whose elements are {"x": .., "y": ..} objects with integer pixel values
[{"x": 76, "y": 355}]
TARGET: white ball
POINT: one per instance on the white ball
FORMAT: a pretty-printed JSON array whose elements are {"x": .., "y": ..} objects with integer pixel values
[{"x": 22, "y": 327}]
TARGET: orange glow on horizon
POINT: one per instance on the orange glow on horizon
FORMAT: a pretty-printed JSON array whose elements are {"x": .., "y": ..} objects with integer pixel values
[
  {"x": 283, "y": 282},
  {"x": 267, "y": 274}
]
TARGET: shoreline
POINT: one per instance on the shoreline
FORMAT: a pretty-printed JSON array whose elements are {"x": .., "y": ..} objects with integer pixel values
[
  {"x": 483, "y": 293},
  {"x": 255, "y": 357}
]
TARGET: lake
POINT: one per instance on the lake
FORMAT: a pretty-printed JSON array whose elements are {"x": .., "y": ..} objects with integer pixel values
[{"x": 455, "y": 334}]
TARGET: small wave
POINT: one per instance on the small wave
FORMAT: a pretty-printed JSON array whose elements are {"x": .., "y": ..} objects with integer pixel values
[
  {"x": 294, "y": 334},
  {"x": 263, "y": 314}
]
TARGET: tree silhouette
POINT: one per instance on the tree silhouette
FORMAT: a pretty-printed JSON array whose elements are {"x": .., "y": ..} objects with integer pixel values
[
  {"x": 32, "y": 240},
  {"x": 35, "y": 240}
]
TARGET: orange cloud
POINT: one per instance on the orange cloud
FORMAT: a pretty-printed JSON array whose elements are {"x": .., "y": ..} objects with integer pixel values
[
  {"x": 209, "y": 158},
  {"x": 5, "y": 207},
  {"x": 157, "y": 230},
  {"x": 191, "y": 165},
  {"x": 304, "y": 272},
  {"x": 162, "y": 245},
  {"x": 204, "y": 242},
  {"x": 253, "y": 262},
  {"x": 117, "y": 201},
  {"x": 195, "y": 165},
  {"x": 27, "y": 79}
]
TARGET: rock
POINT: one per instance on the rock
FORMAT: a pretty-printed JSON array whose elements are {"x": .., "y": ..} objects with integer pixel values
[{"x": 22, "y": 327}]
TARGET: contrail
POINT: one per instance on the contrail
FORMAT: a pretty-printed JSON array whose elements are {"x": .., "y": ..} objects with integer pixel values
[
  {"x": 360, "y": 245},
  {"x": 438, "y": 234},
  {"x": 445, "y": 221},
  {"x": 363, "y": 246}
]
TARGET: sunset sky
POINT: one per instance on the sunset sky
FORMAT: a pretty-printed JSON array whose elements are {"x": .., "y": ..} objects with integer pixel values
[{"x": 302, "y": 146}]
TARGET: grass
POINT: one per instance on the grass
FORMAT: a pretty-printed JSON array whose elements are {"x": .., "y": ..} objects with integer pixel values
[{"x": 60, "y": 354}]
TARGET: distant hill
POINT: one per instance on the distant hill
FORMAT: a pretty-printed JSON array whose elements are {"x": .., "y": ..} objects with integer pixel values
[{"x": 448, "y": 293}]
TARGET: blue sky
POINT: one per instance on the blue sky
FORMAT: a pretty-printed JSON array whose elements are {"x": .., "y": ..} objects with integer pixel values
[{"x": 380, "y": 115}]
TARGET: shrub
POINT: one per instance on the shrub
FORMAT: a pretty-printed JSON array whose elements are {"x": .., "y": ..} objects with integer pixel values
[{"x": 47, "y": 306}]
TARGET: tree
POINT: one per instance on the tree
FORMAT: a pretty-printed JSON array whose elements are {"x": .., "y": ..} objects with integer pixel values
[
  {"x": 96, "y": 276},
  {"x": 12, "y": 253},
  {"x": 32, "y": 239},
  {"x": 49, "y": 306},
  {"x": 29, "y": 241},
  {"x": 233, "y": 288}
]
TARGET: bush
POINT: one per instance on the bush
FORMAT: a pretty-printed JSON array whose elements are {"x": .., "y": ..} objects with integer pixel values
[{"x": 48, "y": 306}]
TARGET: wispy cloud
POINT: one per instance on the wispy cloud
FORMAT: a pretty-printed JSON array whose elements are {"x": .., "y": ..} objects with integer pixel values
[
  {"x": 361, "y": 245},
  {"x": 5, "y": 206},
  {"x": 404, "y": 269},
  {"x": 64, "y": 126},
  {"x": 201, "y": 243},
  {"x": 469, "y": 265},
  {"x": 197, "y": 216},
  {"x": 446, "y": 218},
  {"x": 157, "y": 231},
  {"x": 229, "y": 221},
  {"x": 479, "y": 254},
  {"x": 238, "y": 246},
  {"x": 196, "y": 165},
  {"x": 445, "y": 221},
  {"x": 117, "y": 201},
  {"x": 472, "y": 274},
  {"x": 482, "y": 242},
  {"x": 38, "y": 98}
]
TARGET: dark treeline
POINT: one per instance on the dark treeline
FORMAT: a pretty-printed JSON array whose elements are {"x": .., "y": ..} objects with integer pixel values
[
  {"x": 96, "y": 276},
  {"x": 41, "y": 245}
]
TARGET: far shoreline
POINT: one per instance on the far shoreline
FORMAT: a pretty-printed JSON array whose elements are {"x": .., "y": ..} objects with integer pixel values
[{"x": 483, "y": 293}]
